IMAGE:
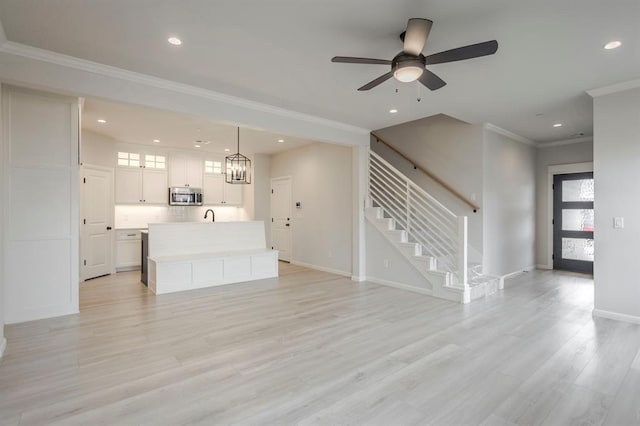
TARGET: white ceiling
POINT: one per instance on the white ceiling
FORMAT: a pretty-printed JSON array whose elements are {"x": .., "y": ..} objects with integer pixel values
[
  {"x": 278, "y": 52},
  {"x": 135, "y": 124}
]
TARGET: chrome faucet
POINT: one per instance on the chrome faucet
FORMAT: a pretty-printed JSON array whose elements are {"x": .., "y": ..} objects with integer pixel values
[{"x": 213, "y": 215}]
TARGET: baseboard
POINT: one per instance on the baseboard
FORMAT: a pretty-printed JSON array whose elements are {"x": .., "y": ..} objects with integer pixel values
[
  {"x": 519, "y": 271},
  {"x": 539, "y": 266},
  {"x": 616, "y": 316},
  {"x": 358, "y": 279},
  {"x": 322, "y": 268},
  {"x": 400, "y": 286},
  {"x": 3, "y": 346}
]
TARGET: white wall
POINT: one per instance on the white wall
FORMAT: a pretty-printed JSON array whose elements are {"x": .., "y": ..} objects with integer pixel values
[
  {"x": 450, "y": 149},
  {"x": 41, "y": 236},
  {"x": 262, "y": 192},
  {"x": 545, "y": 157},
  {"x": 321, "y": 179},
  {"x": 616, "y": 163},
  {"x": 3, "y": 340},
  {"x": 385, "y": 264},
  {"x": 509, "y": 205},
  {"x": 98, "y": 149}
]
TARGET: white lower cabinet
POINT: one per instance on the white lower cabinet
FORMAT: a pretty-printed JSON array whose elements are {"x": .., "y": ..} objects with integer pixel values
[{"x": 128, "y": 249}]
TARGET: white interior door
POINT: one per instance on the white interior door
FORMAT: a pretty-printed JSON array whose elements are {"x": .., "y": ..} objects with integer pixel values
[
  {"x": 281, "y": 217},
  {"x": 97, "y": 222}
]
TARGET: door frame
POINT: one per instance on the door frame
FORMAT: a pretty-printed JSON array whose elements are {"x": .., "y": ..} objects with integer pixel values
[
  {"x": 290, "y": 179},
  {"x": 111, "y": 203},
  {"x": 559, "y": 169}
]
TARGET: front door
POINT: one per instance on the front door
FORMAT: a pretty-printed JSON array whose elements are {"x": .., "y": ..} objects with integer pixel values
[
  {"x": 573, "y": 222},
  {"x": 281, "y": 217},
  {"x": 97, "y": 222}
]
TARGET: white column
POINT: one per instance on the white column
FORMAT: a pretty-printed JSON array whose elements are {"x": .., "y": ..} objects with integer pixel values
[{"x": 360, "y": 161}]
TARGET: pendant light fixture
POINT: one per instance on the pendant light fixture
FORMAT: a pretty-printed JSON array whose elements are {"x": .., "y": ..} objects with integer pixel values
[{"x": 237, "y": 167}]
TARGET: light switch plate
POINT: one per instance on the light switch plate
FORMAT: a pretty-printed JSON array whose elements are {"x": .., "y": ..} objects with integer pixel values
[{"x": 618, "y": 222}]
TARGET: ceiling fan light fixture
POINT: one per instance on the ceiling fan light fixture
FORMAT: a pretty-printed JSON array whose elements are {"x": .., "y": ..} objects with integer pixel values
[
  {"x": 613, "y": 45},
  {"x": 408, "y": 74}
]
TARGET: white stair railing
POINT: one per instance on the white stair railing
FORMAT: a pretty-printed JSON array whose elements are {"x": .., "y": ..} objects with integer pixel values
[{"x": 441, "y": 233}]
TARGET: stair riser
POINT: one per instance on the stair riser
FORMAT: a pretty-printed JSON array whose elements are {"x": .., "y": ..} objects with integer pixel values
[
  {"x": 410, "y": 251},
  {"x": 397, "y": 236}
]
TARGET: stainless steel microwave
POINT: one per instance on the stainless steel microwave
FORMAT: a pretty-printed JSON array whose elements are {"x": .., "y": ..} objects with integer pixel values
[{"x": 185, "y": 196}]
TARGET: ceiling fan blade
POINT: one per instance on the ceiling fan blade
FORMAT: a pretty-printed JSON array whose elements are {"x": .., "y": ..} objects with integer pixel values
[
  {"x": 416, "y": 35},
  {"x": 461, "y": 53},
  {"x": 431, "y": 81},
  {"x": 352, "y": 60},
  {"x": 377, "y": 81}
]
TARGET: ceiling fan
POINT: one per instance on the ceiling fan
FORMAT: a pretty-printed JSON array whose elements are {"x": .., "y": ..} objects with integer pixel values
[{"x": 410, "y": 64}]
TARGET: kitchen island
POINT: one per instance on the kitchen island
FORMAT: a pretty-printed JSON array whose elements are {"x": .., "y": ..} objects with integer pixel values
[{"x": 189, "y": 255}]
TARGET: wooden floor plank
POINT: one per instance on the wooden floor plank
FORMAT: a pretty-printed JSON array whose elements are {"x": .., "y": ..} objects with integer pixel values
[{"x": 310, "y": 347}]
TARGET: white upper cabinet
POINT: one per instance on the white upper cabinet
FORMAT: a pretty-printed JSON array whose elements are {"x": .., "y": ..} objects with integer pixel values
[
  {"x": 233, "y": 194},
  {"x": 141, "y": 179},
  {"x": 215, "y": 190},
  {"x": 185, "y": 171},
  {"x": 154, "y": 186},
  {"x": 128, "y": 186}
]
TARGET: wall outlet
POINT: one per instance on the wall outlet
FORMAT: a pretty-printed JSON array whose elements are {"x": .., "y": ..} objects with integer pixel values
[
  {"x": 386, "y": 263},
  {"x": 618, "y": 222}
]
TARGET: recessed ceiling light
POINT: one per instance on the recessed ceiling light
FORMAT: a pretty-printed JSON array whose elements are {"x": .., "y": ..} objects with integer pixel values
[
  {"x": 557, "y": 125},
  {"x": 613, "y": 45},
  {"x": 156, "y": 140},
  {"x": 175, "y": 41},
  {"x": 102, "y": 120},
  {"x": 197, "y": 146},
  {"x": 227, "y": 150},
  {"x": 393, "y": 111},
  {"x": 280, "y": 140}
]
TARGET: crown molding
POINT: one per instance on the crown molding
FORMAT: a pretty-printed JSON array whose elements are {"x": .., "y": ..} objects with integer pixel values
[
  {"x": 614, "y": 88},
  {"x": 38, "y": 54},
  {"x": 511, "y": 135},
  {"x": 566, "y": 142}
]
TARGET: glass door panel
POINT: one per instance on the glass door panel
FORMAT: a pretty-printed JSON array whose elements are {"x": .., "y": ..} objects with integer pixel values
[{"x": 577, "y": 220}]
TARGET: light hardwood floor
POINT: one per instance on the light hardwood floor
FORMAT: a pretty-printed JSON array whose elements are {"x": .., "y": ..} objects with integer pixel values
[{"x": 315, "y": 348}]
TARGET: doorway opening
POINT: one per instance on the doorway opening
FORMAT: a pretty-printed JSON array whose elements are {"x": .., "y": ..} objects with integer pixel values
[
  {"x": 573, "y": 222},
  {"x": 96, "y": 243},
  {"x": 281, "y": 217}
]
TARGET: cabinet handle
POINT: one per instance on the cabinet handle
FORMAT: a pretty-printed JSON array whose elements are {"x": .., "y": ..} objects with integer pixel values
[
  {"x": 131, "y": 235},
  {"x": 108, "y": 228}
]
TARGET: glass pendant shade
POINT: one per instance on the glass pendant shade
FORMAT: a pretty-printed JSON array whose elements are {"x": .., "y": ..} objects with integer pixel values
[
  {"x": 237, "y": 167},
  {"x": 408, "y": 74}
]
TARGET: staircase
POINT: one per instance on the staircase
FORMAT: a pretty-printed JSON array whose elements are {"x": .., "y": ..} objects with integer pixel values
[{"x": 431, "y": 237}]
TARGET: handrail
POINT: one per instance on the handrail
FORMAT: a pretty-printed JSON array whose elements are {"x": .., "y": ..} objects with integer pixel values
[
  {"x": 442, "y": 183},
  {"x": 425, "y": 220}
]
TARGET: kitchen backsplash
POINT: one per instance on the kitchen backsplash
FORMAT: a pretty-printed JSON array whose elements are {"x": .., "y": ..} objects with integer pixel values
[{"x": 141, "y": 216}]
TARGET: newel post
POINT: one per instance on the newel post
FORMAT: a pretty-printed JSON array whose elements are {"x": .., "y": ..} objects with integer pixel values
[{"x": 462, "y": 251}]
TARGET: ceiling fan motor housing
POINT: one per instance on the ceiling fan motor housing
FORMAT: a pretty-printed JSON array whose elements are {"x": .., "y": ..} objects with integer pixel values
[{"x": 407, "y": 67}]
